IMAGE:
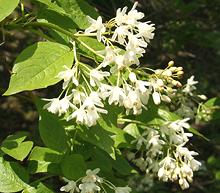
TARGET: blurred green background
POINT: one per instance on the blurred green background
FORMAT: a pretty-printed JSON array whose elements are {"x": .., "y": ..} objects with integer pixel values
[{"x": 188, "y": 32}]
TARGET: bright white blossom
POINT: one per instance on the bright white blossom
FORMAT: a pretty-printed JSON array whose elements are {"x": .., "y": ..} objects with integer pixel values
[
  {"x": 96, "y": 25},
  {"x": 68, "y": 75},
  {"x": 71, "y": 187}
]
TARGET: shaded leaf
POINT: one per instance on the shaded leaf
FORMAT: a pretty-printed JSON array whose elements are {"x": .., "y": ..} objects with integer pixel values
[{"x": 73, "y": 166}]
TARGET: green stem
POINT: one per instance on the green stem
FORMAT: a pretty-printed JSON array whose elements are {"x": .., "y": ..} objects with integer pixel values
[
  {"x": 89, "y": 48},
  {"x": 42, "y": 24}
]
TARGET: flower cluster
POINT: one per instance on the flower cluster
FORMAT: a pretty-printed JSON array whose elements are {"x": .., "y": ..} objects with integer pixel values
[
  {"x": 92, "y": 183},
  {"x": 187, "y": 100},
  {"x": 164, "y": 154},
  {"x": 118, "y": 79},
  {"x": 87, "y": 89}
]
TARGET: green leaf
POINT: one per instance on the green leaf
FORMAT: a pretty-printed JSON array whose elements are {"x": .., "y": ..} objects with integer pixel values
[
  {"x": 49, "y": 12},
  {"x": 38, "y": 66},
  {"x": 12, "y": 177},
  {"x": 87, "y": 46},
  {"x": 20, "y": 152},
  {"x": 52, "y": 129},
  {"x": 194, "y": 131},
  {"x": 40, "y": 188},
  {"x": 17, "y": 138},
  {"x": 78, "y": 11},
  {"x": 100, "y": 159},
  {"x": 109, "y": 123},
  {"x": 73, "y": 166},
  {"x": 52, "y": 6},
  {"x": 14, "y": 146},
  {"x": 7, "y": 7},
  {"x": 98, "y": 137},
  {"x": 44, "y": 159},
  {"x": 132, "y": 129},
  {"x": 122, "y": 165}
]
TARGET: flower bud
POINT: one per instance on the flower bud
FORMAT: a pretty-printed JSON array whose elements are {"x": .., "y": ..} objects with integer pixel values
[
  {"x": 167, "y": 73},
  {"x": 160, "y": 82},
  {"x": 156, "y": 98},
  {"x": 165, "y": 98},
  {"x": 203, "y": 97},
  {"x": 173, "y": 68},
  {"x": 180, "y": 68},
  {"x": 171, "y": 63},
  {"x": 132, "y": 77}
]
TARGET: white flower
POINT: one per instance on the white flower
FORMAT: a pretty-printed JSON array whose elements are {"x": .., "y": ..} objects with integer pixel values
[
  {"x": 80, "y": 115},
  {"x": 92, "y": 104},
  {"x": 58, "y": 106},
  {"x": 78, "y": 97},
  {"x": 132, "y": 77},
  {"x": 120, "y": 34},
  {"x": 134, "y": 15},
  {"x": 96, "y": 76},
  {"x": 89, "y": 187},
  {"x": 96, "y": 25},
  {"x": 183, "y": 183},
  {"x": 120, "y": 63},
  {"x": 133, "y": 101},
  {"x": 135, "y": 42},
  {"x": 109, "y": 56},
  {"x": 53, "y": 106},
  {"x": 70, "y": 187},
  {"x": 190, "y": 86},
  {"x": 91, "y": 176},
  {"x": 131, "y": 57},
  {"x": 156, "y": 98},
  {"x": 146, "y": 30},
  {"x": 121, "y": 16},
  {"x": 68, "y": 75},
  {"x": 116, "y": 95},
  {"x": 123, "y": 189}
]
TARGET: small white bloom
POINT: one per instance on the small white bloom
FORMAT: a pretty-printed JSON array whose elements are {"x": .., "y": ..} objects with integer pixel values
[
  {"x": 132, "y": 77},
  {"x": 146, "y": 30},
  {"x": 58, "y": 106},
  {"x": 89, "y": 187},
  {"x": 96, "y": 76},
  {"x": 190, "y": 86},
  {"x": 68, "y": 75},
  {"x": 156, "y": 98},
  {"x": 116, "y": 96},
  {"x": 183, "y": 183},
  {"x": 120, "y": 34},
  {"x": 80, "y": 115},
  {"x": 130, "y": 57},
  {"x": 109, "y": 56},
  {"x": 123, "y": 189},
  {"x": 121, "y": 16},
  {"x": 91, "y": 176},
  {"x": 96, "y": 25},
  {"x": 120, "y": 63},
  {"x": 53, "y": 106},
  {"x": 70, "y": 187}
]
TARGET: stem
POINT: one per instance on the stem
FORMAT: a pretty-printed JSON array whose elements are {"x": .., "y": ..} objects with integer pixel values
[
  {"x": 43, "y": 178},
  {"x": 43, "y": 24},
  {"x": 131, "y": 121},
  {"x": 89, "y": 48},
  {"x": 41, "y": 34}
]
